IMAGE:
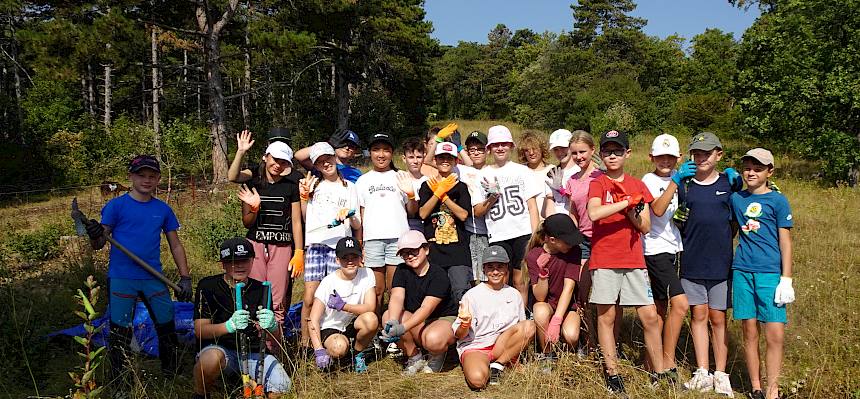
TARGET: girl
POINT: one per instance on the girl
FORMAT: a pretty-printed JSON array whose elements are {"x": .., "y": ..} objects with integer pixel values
[
  {"x": 557, "y": 200},
  {"x": 533, "y": 153},
  {"x": 495, "y": 331},
  {"x": 324, "y": 201},
  {"x": 385, "y": 197},
  {"x": 553, "y": 264}
]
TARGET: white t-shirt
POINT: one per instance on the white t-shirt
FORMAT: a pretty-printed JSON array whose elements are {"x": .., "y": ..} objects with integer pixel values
[
  {"x": 509, "y": 216},
  {"x": 416, "y": 185},
  {"x": 384, "y": 205},
  {"x": 664, "y": 236},
  {"x": 472, "y": 178},
  {"x": 352, "y": 292},
  {"x": 493, "y": 312},
  {"x": 562, "y": 202},
  {"x": 540, "y": 175},
  {"x": 329, "y": 197}
]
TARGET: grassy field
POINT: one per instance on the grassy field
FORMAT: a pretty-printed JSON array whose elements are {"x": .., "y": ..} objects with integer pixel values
[{"x": 822, "y": 338}]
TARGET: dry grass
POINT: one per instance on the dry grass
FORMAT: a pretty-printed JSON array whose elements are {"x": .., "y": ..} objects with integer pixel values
[{"x": 822, "y": 338}]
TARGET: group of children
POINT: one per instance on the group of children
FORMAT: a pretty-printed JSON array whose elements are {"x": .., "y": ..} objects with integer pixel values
[{"x": 447, "y": 240}]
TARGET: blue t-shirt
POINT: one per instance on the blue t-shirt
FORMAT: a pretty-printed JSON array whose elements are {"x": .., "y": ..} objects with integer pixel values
[
  {"x": 760, "y": 216},
  {"x": 707, "y": 235},
  {"x": 138, "y": 227},
  {"x": 349, "y": 173}
]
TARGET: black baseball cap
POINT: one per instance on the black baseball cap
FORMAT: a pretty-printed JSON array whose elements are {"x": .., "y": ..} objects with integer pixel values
[
  {"x": 143, "y": 161},
  {"x": 342, "y": 137},
  {"x": 236, "y": 248},
  {"x": 380, "y": 138},
  {"x": 347, "y": 246},
  {"x": 614, "y": 136},
  {"x": 561, "y": 226},
  {"x": 476, "y": 135},
  {"x": 279, "y": 134}
]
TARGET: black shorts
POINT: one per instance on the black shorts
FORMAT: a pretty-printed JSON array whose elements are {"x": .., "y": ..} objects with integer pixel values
[
  {"x": 516, "y": 248},
  {"x": 350, "y": 332},
  {"x": 663, "y": 273}
]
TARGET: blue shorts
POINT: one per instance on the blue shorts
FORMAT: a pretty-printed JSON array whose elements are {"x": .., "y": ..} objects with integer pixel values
[
  {"x": 752, "y": 297},
  {"x": 277, "y": 379},
  {"x": 714, "y": 293},
  {"x": 378, "y": 253},
  {"x": 320, "y": 261},
  {"x": 585, "y": 248},
  {"x": 125, "y": 292}
]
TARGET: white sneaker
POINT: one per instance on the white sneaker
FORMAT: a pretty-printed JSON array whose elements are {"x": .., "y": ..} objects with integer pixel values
[
  {"x": 415, "y": 364},
  {"x": 701, "y": 381},
  {"x": 393, "y": 349},
  {"x": 722, "y": 384},
  {"x": 435, "y": 363}
]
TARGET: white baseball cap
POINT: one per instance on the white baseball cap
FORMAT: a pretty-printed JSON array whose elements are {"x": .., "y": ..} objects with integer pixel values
[
  {"x": 280, "y": 150},
  {"x": 499, "y": 134},
  {"x": 665, "y": 144},
  {"x": 560, "y": 138},
  {"x": 446, "y": 148},
  {"x": 319, "y": 149}
]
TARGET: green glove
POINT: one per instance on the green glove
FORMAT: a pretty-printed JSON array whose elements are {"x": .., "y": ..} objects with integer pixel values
[
  {"x": 238, "y": 321},
  {"x": 266, "y": 318}
]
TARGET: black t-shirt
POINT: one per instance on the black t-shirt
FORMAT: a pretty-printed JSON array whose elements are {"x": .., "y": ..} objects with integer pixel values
[
  {"x": 449, "y": 244},
  {"x": 216, "y": 300},
  {"x": 274, "y": 219},
  {"x": 434, "y": 283}
]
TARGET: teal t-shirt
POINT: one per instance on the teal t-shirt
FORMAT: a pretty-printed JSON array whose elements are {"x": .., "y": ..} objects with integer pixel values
[{"x": 760, "y": 216}]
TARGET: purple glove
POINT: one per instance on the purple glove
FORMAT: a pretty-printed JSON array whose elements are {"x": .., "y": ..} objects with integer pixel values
[
  {"x": 322, "y": 358},
  {"x": 335, "y": 301}
]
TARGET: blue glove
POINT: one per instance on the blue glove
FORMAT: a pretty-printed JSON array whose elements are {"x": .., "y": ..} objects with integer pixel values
[
  {"x": 266, "y": 318},
  {"x": 734, "y": 179},
  {"x": 686, "y": 170},
  {"x": 392, "y": 331},
  {"x": 321, "y": 358},
  {"x": 238, "y": 321},
  {"x": 455, "y": 138}
]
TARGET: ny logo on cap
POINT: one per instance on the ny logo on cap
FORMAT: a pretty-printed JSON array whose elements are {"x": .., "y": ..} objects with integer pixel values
[
  {"x": 352, "y": 135},
  {"x": 349, "y": 243},
  {"x": 612, "y": 133}
]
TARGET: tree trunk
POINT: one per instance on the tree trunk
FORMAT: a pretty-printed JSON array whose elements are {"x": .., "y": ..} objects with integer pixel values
[
  {"x": 342, "y": 90},
  {"x": 246, "y": 86},
  {"x": 156, "y": 124},
  {"x": 107, "y": 97},
  {"x": 184, "y": 77},
  {"x": 91, "y": 95}
]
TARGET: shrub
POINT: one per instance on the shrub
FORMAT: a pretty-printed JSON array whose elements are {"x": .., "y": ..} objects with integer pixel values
[
  {"x": 210, "y": 227},
  {"x": 39, "y": 245}
]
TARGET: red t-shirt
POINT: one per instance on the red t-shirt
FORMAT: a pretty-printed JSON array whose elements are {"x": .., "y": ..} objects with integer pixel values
[
  {"x": 561, "y": 266},
  {"x": 615, "y": 243}
]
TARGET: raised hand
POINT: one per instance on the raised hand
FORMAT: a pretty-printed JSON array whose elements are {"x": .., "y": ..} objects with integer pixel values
[
  {"x": 249, "y": 196},
  {"x": 244, "y": 142},
  {"x": 404, "y": 183},
  {"x": 446, "y": 132},
  {"x": 686, "y": 170},
  {"x": 555, "y": 179},
  {"x": 445, "y": 185},
  {"x": 306, "y": 186},
  {"x": 492, "y": 188}
]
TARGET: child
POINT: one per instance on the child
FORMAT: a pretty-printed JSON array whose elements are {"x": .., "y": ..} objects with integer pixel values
[
  {"x": 385, "y": 199},
  {"x": 413, "y": 157},
  {"x": 762, "y": 268},
  {"x": 240, "y": 174},
  {"x": 533, "y": 152},
  {"x": 344, "y": 308},
  {"x": 553, "y": 262},
  {"x": 491, "y": 326},
  {"x": 217, "y": 323},
  {"x": 136, "y": 220},
  {"x": 557, "y": 200},
  {"x": 346, "y": 146},
  {"x": 421, "y": 310},
  {"x": 324, "y": 201},
  {"x": 436, "y": 135},
  {"x": 476, "y": 226},
  {"x": 445, "y": 204},
  {"x": 508, "y": 200},
  {"x": 662, "y": 245},
  {"x": 618, "y": 206},
  {"x": 272, "y": 213}
]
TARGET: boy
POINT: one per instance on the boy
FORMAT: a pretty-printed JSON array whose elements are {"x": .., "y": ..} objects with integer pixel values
[
  {"x": 136, "y": 220},
  {"x": 217, "y": 323},
  {"x": 662, "y": 245},
  {"x": 476, "y": 226},
  {"x": 346, "y": 146},
  {"x": 618, "y": 206},
  {"x": 413, "y": 157},
  {"x": 557, "y": 200},
  {"x": 344, "y": 309},
  {"x": 762, "y": 268}
]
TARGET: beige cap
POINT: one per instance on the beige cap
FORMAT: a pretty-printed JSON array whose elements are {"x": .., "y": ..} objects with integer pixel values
[{"x": 761, "y": 155}]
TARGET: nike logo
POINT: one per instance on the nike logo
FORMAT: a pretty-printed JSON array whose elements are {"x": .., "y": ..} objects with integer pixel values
[{"x": 720, "y": 192}]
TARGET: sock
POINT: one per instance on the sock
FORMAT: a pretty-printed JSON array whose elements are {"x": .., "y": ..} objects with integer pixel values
[
  {"x": 497, "y": 366},
  {"x": 414, "y": 358}
]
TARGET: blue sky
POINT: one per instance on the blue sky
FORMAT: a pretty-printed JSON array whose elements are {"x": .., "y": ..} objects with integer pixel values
[{"x": 471, "y": 20}]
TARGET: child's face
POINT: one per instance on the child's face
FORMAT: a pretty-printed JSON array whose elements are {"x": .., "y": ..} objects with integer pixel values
[
  {"x": 534, "y": 156},
  {"x": 562, "y": 154},
  {"x": 349, "y": 264},
  {"x": 238, "y": 270},
  {"x": 276, "y": 166},
  {"x": 614, "y": 155},
  {"x": 144, "y": 181},
  {"x": 414, "y": 258},
  {"x": 445, "y": 163},
  {"x": 327, "y": 165},
  {"x": 501, "y": 151},
  {"x": 380, "y": 155},
  {"x": 413, "y": 160},
  {"x": 663, "y": 164},
  {"x": 755, "y": 174},
  {"x": 496, "y": 272},
  {"x": 558, "y": 245},
  {"x": 346, "y": 153},
  {"x": 581, "y": 154},
  {"x": 706, "y": 161},
  {"x": 477, "y": 153}
]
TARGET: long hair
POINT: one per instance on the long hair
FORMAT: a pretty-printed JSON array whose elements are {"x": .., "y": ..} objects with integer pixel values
[
  {"x": 532, "y": 139},
  {"x": 538, "y": 238},
  {"x": 581, "y": 136}
]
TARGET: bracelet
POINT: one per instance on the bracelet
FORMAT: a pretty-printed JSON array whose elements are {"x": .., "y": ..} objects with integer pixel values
[
  {"x": 304, "y": 196},
  {"x": 254, "y": 209},
  {"x": 411, "y": 196}
]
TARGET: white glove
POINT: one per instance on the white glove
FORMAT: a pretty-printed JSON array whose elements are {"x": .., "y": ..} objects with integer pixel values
[{"x": 784, "y": 292}]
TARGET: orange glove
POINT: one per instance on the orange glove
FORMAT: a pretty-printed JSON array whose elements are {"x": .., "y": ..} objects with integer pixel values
[
  {"x": 297, "y": 263},
  {"x": 446, "y": 132},
  {"x": 445, "y": 185}
]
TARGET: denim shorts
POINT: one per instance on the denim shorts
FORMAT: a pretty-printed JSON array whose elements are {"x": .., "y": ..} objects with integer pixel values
[{"x": 378, "y": 253}]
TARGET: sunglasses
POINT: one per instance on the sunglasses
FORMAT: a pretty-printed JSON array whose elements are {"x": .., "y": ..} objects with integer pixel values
[
  {"x": 618, "y": 152},
  {"x": 476, "y": 149},
  {"x": 409, "y": 253}
]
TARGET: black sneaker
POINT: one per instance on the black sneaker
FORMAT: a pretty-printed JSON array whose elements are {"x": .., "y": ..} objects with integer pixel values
[
  {"x": 495, "y": 374},
  {"x": 757, "y": 394},
  {"x": 615, "y": 383}
]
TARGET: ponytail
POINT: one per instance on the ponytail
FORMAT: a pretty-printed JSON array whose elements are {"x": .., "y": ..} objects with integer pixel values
[{"x": 538, "y": 238}]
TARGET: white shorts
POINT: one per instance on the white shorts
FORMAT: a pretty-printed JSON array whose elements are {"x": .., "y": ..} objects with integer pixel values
[{"x": 626, "y": 287}]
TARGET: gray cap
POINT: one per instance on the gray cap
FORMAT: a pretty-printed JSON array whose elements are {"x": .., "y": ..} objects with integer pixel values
[
  {"x": 705, "y": 141},
  {"x": 495, "y": 253}
]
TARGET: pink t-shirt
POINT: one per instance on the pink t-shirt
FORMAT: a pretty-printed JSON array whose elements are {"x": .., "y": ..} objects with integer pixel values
[
  {"x": 493, "y": 312},
  {"x": 577, "y": 188}
]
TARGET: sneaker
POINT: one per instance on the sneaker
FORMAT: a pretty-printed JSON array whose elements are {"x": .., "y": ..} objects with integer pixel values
[
  {"x": 359, "y": 363},
  {"x": 757, "y": 394},
  {"x": 615, "y": 384},
  {"x": 701, "y": 381},
  {"x": 496, "y": 370},
  {"x": 546, "y": 361},
  {"x": 393, "y": 349},
  {"x": 435, "y": 362},
  {"x": 415, "y": 365},
  {"x": 722, "y": 384},
  {"x": 671, "y": 375}
]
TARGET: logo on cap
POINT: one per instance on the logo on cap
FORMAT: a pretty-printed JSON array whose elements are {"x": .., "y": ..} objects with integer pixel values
[
  {"x": 447, "y": 147},
  {"x": 349, "y": 243},
  {"x": 240, "y": 250},
  {"x": 494, "y": 252},
  {"x": 225, "y": 252},
  {"x": 352, "y": 135},
  {"x": 612, "y": 133},
  {"x": 666, "y": 143}
]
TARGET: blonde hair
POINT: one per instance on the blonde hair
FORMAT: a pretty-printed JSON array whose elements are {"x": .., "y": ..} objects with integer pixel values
[
  {"x": 581, "y": 136},
  {"x": 532, "y": 139},
  {"x": 538, "y": 238}
]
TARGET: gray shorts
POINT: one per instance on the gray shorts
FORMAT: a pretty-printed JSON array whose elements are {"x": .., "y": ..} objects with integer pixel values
[
  {"x": 477, "y": 244},
  {"x": 715, "y": 293},
  {"x": 378, "y": 253},
  {"x": 626, "y": 287},
  {"x": 461, "y": 280}
]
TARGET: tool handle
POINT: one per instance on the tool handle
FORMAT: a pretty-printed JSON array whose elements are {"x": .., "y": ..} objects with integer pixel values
[
  {"x": 336, "y": 222},
  {"x": 239, "y": 287},
  {"x": 267, "y": 290}
]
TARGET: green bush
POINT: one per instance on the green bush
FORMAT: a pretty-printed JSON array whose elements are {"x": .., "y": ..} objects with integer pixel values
[
  {"x": 212, "y": 226},
  {"x": 37, "y": 246}
]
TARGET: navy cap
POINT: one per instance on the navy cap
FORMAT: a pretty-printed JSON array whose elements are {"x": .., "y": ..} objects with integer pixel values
[
  {"x": 380, "y": 138},
  {"x": 347, "y": 246},
  {"x": 342, "y": 137},
  {"x": 143, "y": 161},
  {"x": 236, "y": 248},
  {"x": 614, "y": 136},
  {"x": 279, "y": 134}
]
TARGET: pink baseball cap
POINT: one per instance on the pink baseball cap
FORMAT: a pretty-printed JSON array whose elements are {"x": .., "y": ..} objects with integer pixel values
[
  {"x": 411, "y": 240},
  {"x": 499, "y": 134}
]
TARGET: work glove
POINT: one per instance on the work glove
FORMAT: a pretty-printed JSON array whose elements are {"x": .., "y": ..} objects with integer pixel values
[
  {"x": 685, "y": 170},
  {"x": 543, "y": 262},
  {"x": 445, "y": 185},
  {"x": 446, "y": 132},
  {"x": 335, "y": 301},
  {"x": 492, "y": 188},
  {"x": 238, "y": 321},
  {"x": 307, "y": 185},
  {"x": 392, "y": 331},
  {"x": 297, "y": 263},
  {"x": 321, "y": 358},
  {"x": 553, "y": 329},
  {"x": 404, "y": 183},
  {"x": 784, "y": 292},
  {"x": 95, "y": 229},
  {"x": 634, "y": 200},
  {"x": 771, "y": 185},
  {"x": 555, "y": 180},
  {"x": 464, "y": 313},
  {"x": 457, "y": 140},
  {"x": 735, "y": 180},
  {"x": 186, "y": 292},
  {"x": 266, "y": 318}
]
